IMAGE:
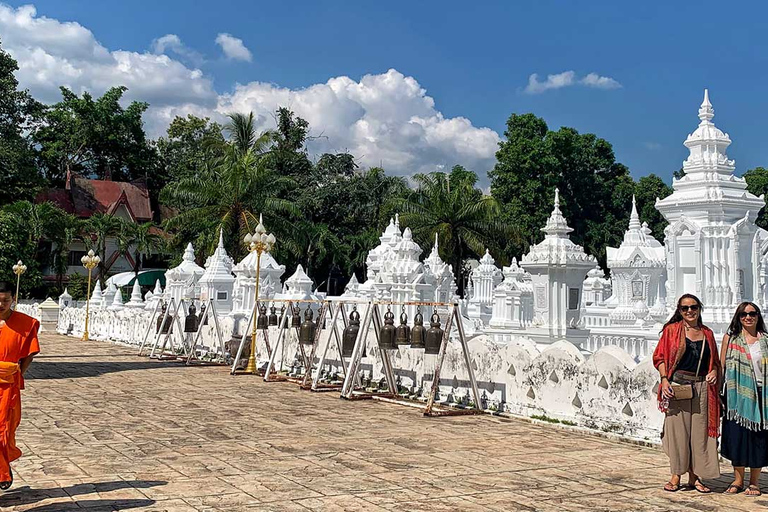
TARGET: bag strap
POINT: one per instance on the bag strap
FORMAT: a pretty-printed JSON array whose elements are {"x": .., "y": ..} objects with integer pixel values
[{"x": 701, "y": 354}]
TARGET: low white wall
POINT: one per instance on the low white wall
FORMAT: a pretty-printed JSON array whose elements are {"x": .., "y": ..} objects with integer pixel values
[{"x": 606, "y": 390}]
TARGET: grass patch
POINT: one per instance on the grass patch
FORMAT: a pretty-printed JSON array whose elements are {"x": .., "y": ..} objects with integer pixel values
[{"x": 543, "y": 417}]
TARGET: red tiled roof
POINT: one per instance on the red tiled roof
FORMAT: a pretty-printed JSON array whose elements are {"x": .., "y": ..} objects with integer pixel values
[
  {"x": 86, "y": 197},
  {"x": 60, "y": 197}
]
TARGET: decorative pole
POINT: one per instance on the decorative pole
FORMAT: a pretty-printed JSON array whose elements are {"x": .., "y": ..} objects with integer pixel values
[
  {"x": 89, "y": 261},
  {"x": 259, "y": 242},
  {"x": 18, "y": 269}
]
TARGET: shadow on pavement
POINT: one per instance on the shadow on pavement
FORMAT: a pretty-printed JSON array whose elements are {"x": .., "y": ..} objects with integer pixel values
[
  {"x": 94, "y": 505},
  {"x": 76, "y": 369},
  {"x": 26, "y": 496}
]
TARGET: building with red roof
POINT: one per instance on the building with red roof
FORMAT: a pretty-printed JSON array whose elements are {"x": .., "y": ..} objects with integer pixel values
[{"x": 84, "y": 197}]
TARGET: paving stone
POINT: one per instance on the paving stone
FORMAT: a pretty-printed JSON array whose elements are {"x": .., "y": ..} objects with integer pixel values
[{"x": 104, "y": 429}]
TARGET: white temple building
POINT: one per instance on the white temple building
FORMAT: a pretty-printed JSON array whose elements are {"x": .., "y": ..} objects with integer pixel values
[
  {"x": 557, "y": 267},
  {"x": 714, "y": 249},
  {"x": 181, "y": 282},
  {"x": 218, "y": 283}
]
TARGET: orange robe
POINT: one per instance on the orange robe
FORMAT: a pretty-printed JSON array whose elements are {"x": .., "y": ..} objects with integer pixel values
[{"x": 18, "y": 339}]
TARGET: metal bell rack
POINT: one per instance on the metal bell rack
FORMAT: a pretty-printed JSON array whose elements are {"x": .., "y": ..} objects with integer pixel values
[
  {"x": 373, "y": 318},
  {"x": 270, "y": 374},
  {"x": 338, "y": 312},
  {"x": 170, "y": 314},
  {"x": 190, "y": 353},
  {"x": 252, "y": 318}
]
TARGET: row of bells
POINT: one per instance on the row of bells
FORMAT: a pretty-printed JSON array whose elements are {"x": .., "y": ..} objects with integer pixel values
[
  {"x": 191, "y": 321},
  {"x": 391, "y": 337}
]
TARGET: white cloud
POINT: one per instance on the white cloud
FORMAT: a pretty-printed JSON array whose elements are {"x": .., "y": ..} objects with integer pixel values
[
  {"x": 600, "y": 82},
  {"x": 51, "y": 53},
  {"x": 233, "y": 47},
  {"x": 557, "y": 81},
  {"x": 384, "y": 119},
  {"x": 172, "y": 43},
  {"x": 568, "y": 79}
]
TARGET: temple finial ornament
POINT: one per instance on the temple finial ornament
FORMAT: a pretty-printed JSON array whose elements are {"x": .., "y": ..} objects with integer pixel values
[
  {"x": 706, "y": 112},
  {"x": 634, "y": 218}
]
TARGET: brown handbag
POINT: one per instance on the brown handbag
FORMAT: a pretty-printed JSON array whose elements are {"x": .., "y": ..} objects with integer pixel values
[{"x": 685, "y": 391}]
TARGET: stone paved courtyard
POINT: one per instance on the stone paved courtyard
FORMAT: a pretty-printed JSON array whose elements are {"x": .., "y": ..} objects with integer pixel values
[{"x": 107, "y": 430}]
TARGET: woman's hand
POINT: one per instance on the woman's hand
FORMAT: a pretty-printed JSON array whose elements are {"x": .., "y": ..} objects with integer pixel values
[
  {"x": 666, "y": 389},
  {"x": 711, "y": 377}
]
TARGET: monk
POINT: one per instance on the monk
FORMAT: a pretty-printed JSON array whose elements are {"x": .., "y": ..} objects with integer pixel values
[{"x": 18, "y": 345}]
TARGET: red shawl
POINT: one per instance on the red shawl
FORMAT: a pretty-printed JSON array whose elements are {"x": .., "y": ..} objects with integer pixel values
[{"x": 670, "y": 350}]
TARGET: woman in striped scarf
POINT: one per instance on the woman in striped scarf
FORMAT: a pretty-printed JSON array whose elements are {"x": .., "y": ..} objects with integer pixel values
[{"x": 744, "y": 356}]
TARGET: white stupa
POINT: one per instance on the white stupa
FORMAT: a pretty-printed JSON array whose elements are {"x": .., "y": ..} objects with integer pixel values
[
  {"x": 217, "y": 283},
  {"x": 714, "y": 249},
  {"x": 558, "y": 268}
]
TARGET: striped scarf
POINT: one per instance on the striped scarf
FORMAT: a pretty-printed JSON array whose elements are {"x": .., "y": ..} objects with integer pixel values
[{"x": 742, "y": 404}]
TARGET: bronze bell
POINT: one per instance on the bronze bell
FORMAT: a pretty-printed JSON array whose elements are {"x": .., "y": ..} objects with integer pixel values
[
  {"x": 434, "y": 335},
  {"x": 263, "y": 321},
  {"x": 272, "y": 316},
  {"x": 387, "y": 331},
  {"x": 418, "y": 333},
  {"x": 403, "y": 333},
  {"x": 191, "y": 322},
  {"x": 296, "y": 318},
  {"x": 350, "y": 334},
  {"x": 160, "y": 317},
  {"x": 202, "y": 316},
  {"x": 307, "y": 332}
]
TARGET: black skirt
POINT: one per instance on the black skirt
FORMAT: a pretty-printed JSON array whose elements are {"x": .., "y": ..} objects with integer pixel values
[{"x": 744, "y": 447}]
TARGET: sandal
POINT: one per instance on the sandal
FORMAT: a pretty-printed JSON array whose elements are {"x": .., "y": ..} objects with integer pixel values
[
  {"x": 699, "y": 486},
  {"x": 670, "y": 487},
  {"x": 739, "y": 488},
  {"x": 753, "y": 490},
  {"x": 4, "y": 486}
]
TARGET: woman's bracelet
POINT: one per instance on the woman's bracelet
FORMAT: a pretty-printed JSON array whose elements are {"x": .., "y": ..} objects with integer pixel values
[{"x": 664, "y": 377}]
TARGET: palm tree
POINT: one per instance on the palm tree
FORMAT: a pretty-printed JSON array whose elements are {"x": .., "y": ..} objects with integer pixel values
[
  {"x": 143, "y": 239},
  {"x": 465, "y": 220},
  {"x": 316, "y": 247},
  {"x": 231, "y": 191},
  {"x": 71, "y": 231},
  {"x": 99, "y": 228}
]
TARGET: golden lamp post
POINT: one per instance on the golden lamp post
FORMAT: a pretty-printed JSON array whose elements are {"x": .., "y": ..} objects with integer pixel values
[
  {"x": 258, "y": 242},
  {"x": 18, "y": 269},
  {"x": 89, "y": 261}
]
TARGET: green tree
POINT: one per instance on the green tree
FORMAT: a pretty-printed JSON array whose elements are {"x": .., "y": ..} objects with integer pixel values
[
  {"x": 647, "y": 190},
  {"x": 98, "y": 229},
  {"x": 757, "y": 183},
  {"x": 18, "y": 114},
  {"x": 230, "y": 192},
  {"x": 189, "y": 141},
  {"x": 14, "y": 246},
  {"x": 137, "y": 241},
  {"x": 596, "y": 190},
  {"x": 46, "y": 227},
  {"x": 466, "y": 221},
  {"x": 95, "y": 137}
]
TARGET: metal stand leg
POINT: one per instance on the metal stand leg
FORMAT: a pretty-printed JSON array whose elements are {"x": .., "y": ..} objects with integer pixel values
[
  {"x": 149, "y": 327},
  {"x": 280, "y": 336}
]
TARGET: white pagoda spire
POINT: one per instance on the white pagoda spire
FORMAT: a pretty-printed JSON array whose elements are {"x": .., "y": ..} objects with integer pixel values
[
  {"x": 557, "y": 227},
  {"x": 634, "y": 218}
]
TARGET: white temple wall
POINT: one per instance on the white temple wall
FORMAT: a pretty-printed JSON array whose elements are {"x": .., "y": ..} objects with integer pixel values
[{"x": 606, "y": 391}]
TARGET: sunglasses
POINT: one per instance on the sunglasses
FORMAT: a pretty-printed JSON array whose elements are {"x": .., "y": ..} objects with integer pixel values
[
  {"x": 684, "y": 309},
  {"x": 750, "y": 314}
]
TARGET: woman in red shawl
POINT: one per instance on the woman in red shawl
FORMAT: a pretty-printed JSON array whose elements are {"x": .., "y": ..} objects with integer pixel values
[{"x": 687, "y": 355}]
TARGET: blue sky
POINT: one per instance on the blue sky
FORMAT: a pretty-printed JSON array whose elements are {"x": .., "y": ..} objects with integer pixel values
[{"x": 474, "y": 60}]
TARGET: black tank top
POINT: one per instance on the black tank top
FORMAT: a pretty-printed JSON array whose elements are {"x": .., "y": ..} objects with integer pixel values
[{"x": 690, "y": 359}]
